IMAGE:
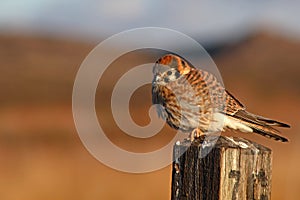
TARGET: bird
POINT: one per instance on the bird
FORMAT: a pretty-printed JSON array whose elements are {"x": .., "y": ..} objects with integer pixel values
[{"x": 194, "y": 101}]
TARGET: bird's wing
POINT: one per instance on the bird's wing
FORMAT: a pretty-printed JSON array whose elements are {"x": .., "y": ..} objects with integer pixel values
[
  {"x": 232, "y": 104},
  {"x": 261, "y": 125},
  {"x": 236, "y": 109}
]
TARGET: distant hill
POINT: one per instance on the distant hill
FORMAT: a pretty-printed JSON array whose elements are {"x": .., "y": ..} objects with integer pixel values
[
  {"x": 264, "y": 59},
  {"x": 37, "y": 70}
]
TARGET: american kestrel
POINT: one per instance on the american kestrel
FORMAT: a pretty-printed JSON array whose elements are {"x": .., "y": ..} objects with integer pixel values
[{"x": 194, "y": 101}]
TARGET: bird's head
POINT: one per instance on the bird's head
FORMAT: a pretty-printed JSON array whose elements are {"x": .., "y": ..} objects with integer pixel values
[{"x": 169, "y": 68}]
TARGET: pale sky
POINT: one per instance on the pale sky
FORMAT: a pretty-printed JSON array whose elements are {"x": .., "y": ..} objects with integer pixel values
[{"x": 206, "y": 19}]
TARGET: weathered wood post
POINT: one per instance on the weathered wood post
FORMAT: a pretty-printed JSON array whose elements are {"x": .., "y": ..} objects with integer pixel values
[{"x": 234, "y": 169}]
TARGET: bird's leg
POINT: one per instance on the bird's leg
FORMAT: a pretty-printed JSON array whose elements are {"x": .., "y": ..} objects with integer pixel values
[{"x": 196, "y": 133}]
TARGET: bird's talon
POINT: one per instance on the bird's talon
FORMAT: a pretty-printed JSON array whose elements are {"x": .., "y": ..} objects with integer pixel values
[{"x": 195, "y": 134}]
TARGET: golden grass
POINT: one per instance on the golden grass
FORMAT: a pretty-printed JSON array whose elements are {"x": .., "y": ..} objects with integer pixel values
[{"x": 42, "y": 157}]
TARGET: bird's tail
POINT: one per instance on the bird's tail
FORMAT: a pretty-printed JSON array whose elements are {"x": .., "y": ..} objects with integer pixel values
[{"x": 261, "y": 125}]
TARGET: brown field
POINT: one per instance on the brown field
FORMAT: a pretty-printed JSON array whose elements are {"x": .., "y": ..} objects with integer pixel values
[{"x": 42, "y": 157}]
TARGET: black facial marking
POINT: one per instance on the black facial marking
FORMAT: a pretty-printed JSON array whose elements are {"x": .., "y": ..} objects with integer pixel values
[
  {"x": 166, "y": 80},
  {"x": 177, "y": 74}
]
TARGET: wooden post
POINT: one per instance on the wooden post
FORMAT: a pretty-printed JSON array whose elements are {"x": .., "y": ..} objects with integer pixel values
[{"x": 234, "y": 169}]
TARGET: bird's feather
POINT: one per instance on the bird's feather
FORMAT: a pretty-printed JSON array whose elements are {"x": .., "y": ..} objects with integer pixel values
[{"x": 260, "y": 125}]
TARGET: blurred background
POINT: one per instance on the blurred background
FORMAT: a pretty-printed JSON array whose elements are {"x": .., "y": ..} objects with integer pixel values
[{"x": 255, "y": 45}]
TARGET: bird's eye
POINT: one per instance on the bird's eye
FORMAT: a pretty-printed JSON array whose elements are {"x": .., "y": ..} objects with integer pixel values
[{"x": 169, "y": 73}]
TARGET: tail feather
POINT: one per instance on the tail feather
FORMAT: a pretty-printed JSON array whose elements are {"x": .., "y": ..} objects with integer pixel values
[
  {"x": 271, "y": 135},
  {"x": 261, "y": 125},
  {"x": 266, "y": 130},
  {"x": 272, "y": 122}
]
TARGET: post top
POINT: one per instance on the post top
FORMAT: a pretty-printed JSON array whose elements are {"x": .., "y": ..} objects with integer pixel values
[{"x": 224, "y": 142}]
